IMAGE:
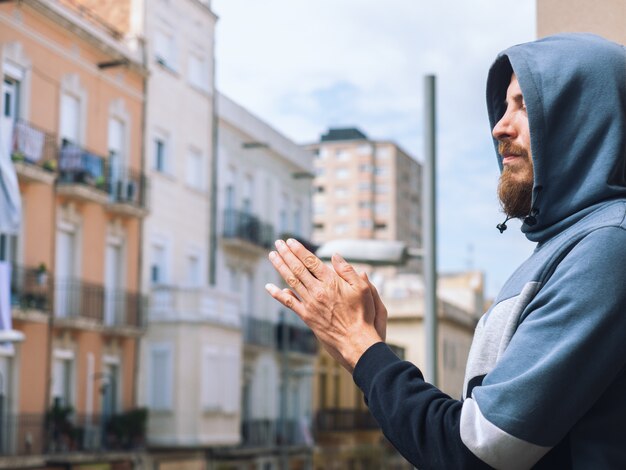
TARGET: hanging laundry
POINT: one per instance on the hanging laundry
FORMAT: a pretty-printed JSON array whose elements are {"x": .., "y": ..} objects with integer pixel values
[{"x": 28, "y": 141}]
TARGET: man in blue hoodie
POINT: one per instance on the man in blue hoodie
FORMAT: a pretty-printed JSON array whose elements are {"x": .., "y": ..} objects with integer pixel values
[{"x": 545, "y": 383}]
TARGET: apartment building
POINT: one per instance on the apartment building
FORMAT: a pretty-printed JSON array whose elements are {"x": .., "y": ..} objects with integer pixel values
[
  {"x": 264, "y": 193},
  {"x": 460, "y": 306},
  {"x": 72, "y": 116},
  {"x": 365, "y": 189},
  {"x": 190, "y": 362},
  {"x": 605, "y": 18}
]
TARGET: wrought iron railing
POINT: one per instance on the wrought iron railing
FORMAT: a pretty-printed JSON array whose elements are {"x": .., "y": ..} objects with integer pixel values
[
  {"x": 123, "y": 185},
  {"x": 247, "y": 227},
  {"x": 75, "y": 298},
  {"x": 31, "y": 288},
  {"x": 259, "y": 332},
  {"x": 295, "y": 338},
  {"x": 54, "y": 433},
  {"x": 33, "y": 146},
  {"x": 273, "y": 432},
  {"x": 330, "y": 420}
]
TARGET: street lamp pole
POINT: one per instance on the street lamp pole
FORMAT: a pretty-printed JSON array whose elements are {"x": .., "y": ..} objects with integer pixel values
[{"x": 429, "y": 200}]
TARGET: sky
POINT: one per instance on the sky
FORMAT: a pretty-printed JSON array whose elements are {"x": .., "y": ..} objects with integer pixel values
[{"x": 305, "y": 66}]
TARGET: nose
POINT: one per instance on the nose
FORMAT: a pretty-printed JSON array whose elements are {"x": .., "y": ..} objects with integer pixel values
[{"x": 504, "y": 128}]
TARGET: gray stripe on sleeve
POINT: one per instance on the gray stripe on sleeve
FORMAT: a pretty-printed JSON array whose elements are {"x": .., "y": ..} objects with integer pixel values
[{"x": 494, "y": 446}]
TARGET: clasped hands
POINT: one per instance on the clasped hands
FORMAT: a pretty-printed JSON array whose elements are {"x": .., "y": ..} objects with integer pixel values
[{"x": 341, "y": 306}]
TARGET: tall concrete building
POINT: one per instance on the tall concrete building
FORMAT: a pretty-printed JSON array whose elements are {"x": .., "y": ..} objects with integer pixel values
[
  {"x": 606, "y": 18},
  {"x": 367, "y": 189}
]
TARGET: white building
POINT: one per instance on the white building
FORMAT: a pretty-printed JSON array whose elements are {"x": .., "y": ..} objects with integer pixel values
[
  {"x": 190, "y": 358},
  {"x": 263, "y": 193}
]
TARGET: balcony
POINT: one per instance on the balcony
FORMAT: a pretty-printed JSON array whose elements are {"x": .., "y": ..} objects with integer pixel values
[
  {"x": 78, "y": 303},
  {"x": 31, "y": 289},
  {"x": 297, "y": 339},
  {"x": 246, "y": 231},
  {"x": 89, "y": 177},
  {"x": 344, "y": 420},
  {"x": 174, "y": 303},
  {"x": 56, "y": 434},
  {"x": 257, "y": 332},
  {"x": 270, "y": 433},
  {"x": 34, "y": 153}
]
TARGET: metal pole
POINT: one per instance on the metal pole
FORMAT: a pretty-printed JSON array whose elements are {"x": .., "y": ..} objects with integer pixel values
[
  {"x": 429, "y": 200},
  {"x": 284, "y": 390}
]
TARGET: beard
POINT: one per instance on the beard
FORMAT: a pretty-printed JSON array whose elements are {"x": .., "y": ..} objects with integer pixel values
[{"x": 515, "y": 188}]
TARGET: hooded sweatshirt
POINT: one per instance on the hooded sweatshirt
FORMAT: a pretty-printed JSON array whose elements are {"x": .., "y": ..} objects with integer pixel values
[{"x": 545, "y": 383}]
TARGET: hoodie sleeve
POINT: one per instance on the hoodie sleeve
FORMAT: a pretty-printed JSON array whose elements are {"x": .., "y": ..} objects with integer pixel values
[{"x": 565, "y": 353}]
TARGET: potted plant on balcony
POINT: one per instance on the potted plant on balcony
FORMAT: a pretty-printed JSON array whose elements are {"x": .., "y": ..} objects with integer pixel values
[
  {"x": 17, "y": 156},
  {"x": 50, "y": 165},
  {"x": 100, "y": 183},
  {"x": 42, "y": 274}
]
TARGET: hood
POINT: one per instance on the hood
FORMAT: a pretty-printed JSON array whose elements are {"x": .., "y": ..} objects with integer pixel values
[{"x": 574, "y": 87}]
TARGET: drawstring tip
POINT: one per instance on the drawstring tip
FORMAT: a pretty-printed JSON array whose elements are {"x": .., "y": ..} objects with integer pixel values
[{"x": 502, "y": 227}]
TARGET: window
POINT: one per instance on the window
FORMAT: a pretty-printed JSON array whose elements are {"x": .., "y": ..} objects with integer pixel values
[
  {"x": 62, "y": 378},
  {"x": 198, "y": 71},
  {"x": 382, "y": 188},
  {"x": 364, "y": 149},
  {"x": 342, "y": 155},
  {"x": 341, "y": 229},
  {"x": 341, "y": 209},
  {"x": 319, "y": 208},
  {"x": 248, "y": 194},
  {"x": 70, "y": 119},
  {"x": 161, "y": 153},
  {"x": 383, "y": 171},
  {"x": 342, "y": 173},
  {"x": 164, "y": 49},
  {"x": 195, "y": 169},
  {"x": 365, "y": 186},
  {"x": 365, "y": 205},
  {"x": 320, "y": 171},
  {"x": 366, "y": 223},
  {"x": 365, "y": 168},
  {"x": 157, "y": 267},
  {"x": 320, "y": 189},
  {"x": 318, "y": 226},
  {"x": 381, "y": 208},
  {"x": 193, "y": 270},
  {"x": 220, "y": 379},
  {"x": 383, "y": 153},
  {"x": 160, "y": 377},
  {"x": 341, "y": 191},
  {"x": 323, "y": 153},
  {"x": 11, "y": 93},
  {"x": 297, "y": 218}
]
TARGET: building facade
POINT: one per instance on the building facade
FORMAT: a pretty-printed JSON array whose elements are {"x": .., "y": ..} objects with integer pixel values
[
  {"x": 264, "y": 193},
  {"x": 365, "y": 189},
  {"x": 72, "y": 103},
  {"x": 604, "y": 18}
]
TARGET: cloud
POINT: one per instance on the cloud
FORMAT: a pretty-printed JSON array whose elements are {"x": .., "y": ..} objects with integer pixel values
[{"x": 305, "y": 66}]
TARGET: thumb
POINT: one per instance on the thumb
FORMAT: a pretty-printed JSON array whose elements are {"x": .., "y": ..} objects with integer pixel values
[{"x": 345, "y": 270}]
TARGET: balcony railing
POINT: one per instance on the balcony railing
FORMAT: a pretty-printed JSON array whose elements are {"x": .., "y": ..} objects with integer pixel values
[
  {"x": 30, "y": 434},
  {"x": 331, "y": 420},
  {"x": 33, "y": 146},
  {"x": 298, "y": 339},
  {"x": 270, "y": 433},
  {"x": 247, "y": 227},
  {"x": 31, "y": 288},
  {"x": 78, "y": 299},
  {"x": 81, "y": 167},
  {"x": 259, "y": 332},
  {"x": 184, "y": 303}
]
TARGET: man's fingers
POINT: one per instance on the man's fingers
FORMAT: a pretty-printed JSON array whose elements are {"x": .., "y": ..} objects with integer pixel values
[
  {"x": 290, "y": 278},
  {"x": 287, "y": 298},
  {"x": 345, "y": 270},
  {"x": 308, "y": 259},
  {"x": 297, "y": 268}
]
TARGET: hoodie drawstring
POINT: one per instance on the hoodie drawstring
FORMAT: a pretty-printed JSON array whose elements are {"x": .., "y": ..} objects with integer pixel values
[{"x": 530, "y": 219}]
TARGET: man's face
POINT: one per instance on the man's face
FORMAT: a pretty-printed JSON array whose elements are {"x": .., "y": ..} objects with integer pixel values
[{"x": 513, "y": 135}]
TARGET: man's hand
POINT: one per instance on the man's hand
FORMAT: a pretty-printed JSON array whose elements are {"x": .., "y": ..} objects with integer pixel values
[{"x": 340, "y": 306}]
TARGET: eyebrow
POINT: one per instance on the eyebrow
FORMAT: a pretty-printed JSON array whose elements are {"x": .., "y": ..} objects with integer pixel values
[{"x": 519, "y": 98}]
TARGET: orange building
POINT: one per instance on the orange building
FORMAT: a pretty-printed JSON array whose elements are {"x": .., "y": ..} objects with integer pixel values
[{"x": 72, "y": 104}]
